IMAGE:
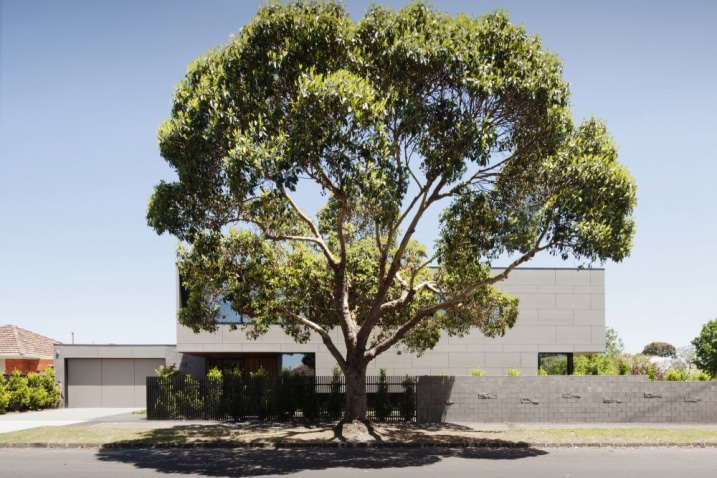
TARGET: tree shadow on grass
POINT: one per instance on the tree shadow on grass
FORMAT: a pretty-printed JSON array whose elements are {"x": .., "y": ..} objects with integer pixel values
[
  {"x": 261, "y": 448},
  {"x": 287, "y": 435},
  {"x": 285, "y": 461}
]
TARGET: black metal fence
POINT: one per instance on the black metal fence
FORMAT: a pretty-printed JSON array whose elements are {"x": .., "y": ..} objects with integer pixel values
[{"x": 292, "y": 398}]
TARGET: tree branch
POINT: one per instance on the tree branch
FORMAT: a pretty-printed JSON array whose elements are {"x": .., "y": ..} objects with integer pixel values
[
  {"x": 381, "y": 347},
  {"x": 375, "y": 314},
  {"x": 488, "y": 172},
  {"x": 312, "y": 240},
  {"x": 448, "y": 304},
  {"x": 325, "y": 337},
  {"x": 307, "y": 220}
]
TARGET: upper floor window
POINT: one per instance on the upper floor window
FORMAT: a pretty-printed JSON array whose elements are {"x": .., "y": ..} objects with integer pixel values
[{"x": 226, "y": 314}]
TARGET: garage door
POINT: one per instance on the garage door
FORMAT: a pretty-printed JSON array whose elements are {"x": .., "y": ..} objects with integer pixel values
[{"x": 108, "y": 382}]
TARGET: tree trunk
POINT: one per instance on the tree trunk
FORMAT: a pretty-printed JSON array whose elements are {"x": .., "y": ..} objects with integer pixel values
[{"x": 356, "y": 405}]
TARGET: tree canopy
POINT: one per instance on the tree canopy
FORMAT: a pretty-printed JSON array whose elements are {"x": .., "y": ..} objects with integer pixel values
[
  {"x": 614, "y": 345},
  {"x": 660, "y": 349},
  {"x": 386, "y": 118},
  {"x": 706, "y": 348}
]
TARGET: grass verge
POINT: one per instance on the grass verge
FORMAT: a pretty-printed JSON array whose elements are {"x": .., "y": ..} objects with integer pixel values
[{"x": 267, "y": 433}]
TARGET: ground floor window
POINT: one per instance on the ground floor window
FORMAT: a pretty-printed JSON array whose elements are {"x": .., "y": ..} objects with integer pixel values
[
  {"x": 555, "y": 363},
  {"x": 228, "y": 366},
  {"x": 299, "y": 363},
  {"x": 273, "y": 363}
]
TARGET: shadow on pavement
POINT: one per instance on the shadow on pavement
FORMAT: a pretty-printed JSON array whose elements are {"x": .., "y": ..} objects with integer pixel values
[{"x": 260, "y": 462}]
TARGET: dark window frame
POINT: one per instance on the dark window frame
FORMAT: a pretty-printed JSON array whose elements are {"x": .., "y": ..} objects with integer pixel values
[{"x": 568, "y": 355}]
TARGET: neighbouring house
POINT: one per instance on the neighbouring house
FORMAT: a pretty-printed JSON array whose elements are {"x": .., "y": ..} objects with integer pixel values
[
  {"x": 24, "y": 350},
  {"x": 562, "y": 314}
]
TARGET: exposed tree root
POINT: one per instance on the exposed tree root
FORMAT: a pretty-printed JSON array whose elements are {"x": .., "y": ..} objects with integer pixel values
[{"x": 355, "y": 430}]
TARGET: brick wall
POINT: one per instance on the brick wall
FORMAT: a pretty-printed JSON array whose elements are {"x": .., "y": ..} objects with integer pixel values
[
  {"x": 27, "y": 365},
  {"x": 564, "y": 399}
]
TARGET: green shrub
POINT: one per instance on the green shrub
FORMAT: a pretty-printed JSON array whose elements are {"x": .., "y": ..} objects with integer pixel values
[
  {"x": 336, "y": 399},
  {"x": 382, "y": 406},
  {"x": 19, "y": 392},
  {"x": 214, "y": 392},
  {"x": 408, "y": 407},
  {"x": 165, "y": 406},
  {"x": 53, "y": 391},
  {"x": 542, "y": 372},
  {"x": 698, "y": 377},
  {"x": 4, "y": 396},
  {"x": 259, "y": 394},
  {"x": 554, "y": 365},
  {"x": 38, "y": 396},
  {"x": 309, "y": 401},
  {"x": 675, "y": 375},
  {"x": 287, "y": 398},
  {"x": 44, "y": 393},
  {"x": 167, "y": 371},
  {"x": 235, "y": 394},
  {"x": 33, "y": 380},
  {"x": 477, "y": 372},
  {"x": 512, "y": 372},
  {"x": 595, "y": 364},
  {"x": 623, "y": 366},
  {"x": 189, "y": 400}
]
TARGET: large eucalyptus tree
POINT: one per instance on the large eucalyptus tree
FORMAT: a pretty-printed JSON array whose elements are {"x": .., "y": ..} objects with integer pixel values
[{"x": 385, "y": 118}]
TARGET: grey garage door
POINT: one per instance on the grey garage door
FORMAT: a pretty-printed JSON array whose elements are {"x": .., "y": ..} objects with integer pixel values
[{"x": 108, "y": 382}]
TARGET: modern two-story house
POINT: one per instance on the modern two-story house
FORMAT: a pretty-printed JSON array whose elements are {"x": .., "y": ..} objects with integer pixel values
[{"x": 562, "y": 312}]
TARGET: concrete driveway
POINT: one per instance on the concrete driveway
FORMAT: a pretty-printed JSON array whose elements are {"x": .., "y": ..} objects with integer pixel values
[{"x": 56, "y": 417}]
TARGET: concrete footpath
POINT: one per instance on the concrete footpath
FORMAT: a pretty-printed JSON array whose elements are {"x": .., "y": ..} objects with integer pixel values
[{"x": 59, "y": 417}]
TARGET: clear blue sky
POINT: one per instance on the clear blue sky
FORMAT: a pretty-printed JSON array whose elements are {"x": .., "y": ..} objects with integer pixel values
[{"x": 84, "y": 85}]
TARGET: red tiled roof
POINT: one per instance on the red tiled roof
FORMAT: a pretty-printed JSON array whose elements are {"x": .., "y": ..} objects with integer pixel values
[{"x": 18, "y": 343}]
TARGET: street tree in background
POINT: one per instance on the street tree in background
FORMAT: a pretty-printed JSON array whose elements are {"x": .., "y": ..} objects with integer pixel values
[
  {"x": 706, "y": 348},
  {"x": 614, "y": 346},
  {"x": 686, "y": 353},
  {"x": 660, "y": 349},
  {"x": 385, "y": 120}
]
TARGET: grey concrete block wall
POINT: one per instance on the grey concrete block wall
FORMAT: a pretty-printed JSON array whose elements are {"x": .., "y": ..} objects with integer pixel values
[
  {"x": 561, "y": 310},
  {"x": 186, "y": 363},
  {"x": 564, "y": 399}
]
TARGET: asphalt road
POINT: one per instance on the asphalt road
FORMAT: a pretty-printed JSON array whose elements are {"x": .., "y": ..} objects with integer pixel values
[{"x": 347, "y": 463}]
